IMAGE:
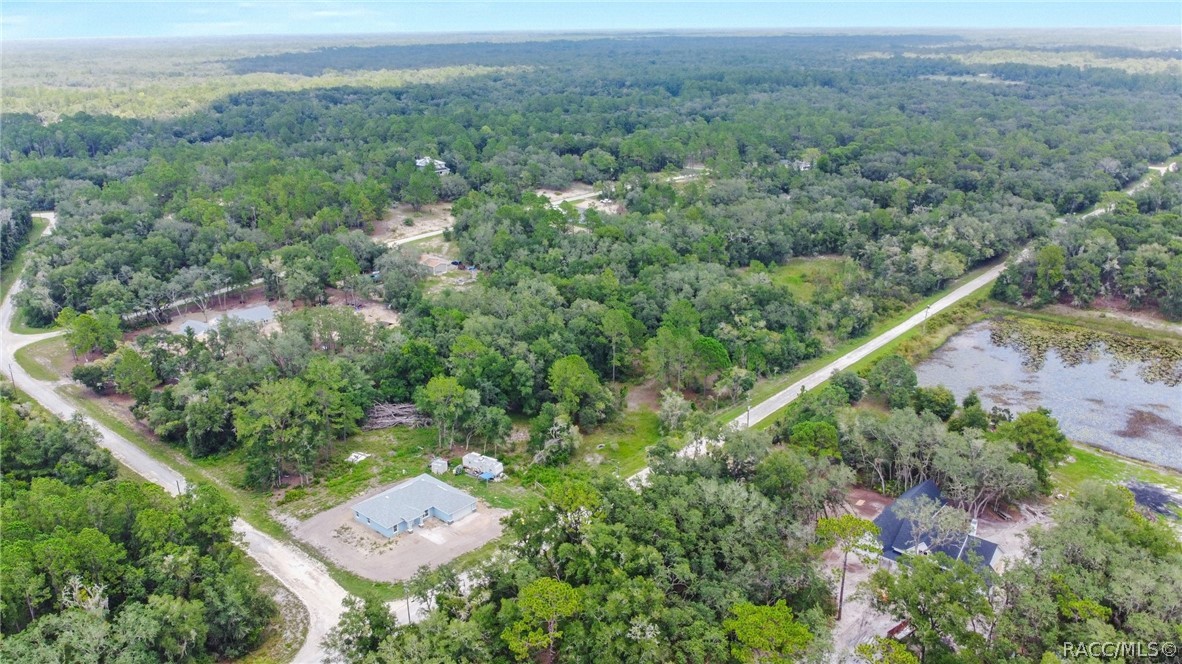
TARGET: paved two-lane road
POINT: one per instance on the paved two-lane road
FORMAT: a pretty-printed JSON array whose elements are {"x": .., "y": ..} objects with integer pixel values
[
  {"x": 767, "y": 408},
  {"x": 302, "y": 575}
]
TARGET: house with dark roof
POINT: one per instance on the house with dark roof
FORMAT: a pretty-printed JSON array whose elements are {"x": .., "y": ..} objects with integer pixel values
[
  {"x": 896, "y": 536},
  {"x": 404, "y": 507}
]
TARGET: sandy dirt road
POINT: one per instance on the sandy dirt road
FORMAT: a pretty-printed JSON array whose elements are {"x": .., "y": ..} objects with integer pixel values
[{"x": 302, "y": 575}]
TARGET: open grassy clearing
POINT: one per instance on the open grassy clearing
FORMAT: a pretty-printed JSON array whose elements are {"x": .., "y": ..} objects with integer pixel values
[
  {"x": 1081, "y": 59},
  {"x": 802, "y": 276},
  {"x": 396, "y": 454},
  {"x": 624, "y": 442},
  {"x": 12, "y": 270},
  {"x": 47, "y": 360},
  {"x": 1093, "y": 463},
  {"x": 154, "y": 98}
]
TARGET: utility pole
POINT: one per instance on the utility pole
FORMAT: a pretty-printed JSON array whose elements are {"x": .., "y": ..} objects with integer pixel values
[
  {"x": 926, "y": 311},
  {"x": 406, "y": 592}
]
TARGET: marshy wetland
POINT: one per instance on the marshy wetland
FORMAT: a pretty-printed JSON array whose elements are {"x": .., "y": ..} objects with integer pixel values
[{"x": 1120, "y": 393}]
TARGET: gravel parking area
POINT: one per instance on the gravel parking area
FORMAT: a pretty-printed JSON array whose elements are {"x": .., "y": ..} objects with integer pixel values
[{"x": 367, "y": 553}]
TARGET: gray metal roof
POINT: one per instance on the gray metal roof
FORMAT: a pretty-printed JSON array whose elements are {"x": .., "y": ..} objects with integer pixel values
[
  {"x": 410, "y": 499},
  {"x": 260, "y": 313},
  {"x": 197, "y": 326}
]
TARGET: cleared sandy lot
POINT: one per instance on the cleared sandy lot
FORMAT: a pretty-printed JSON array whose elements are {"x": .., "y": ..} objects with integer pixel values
[
  {"x": 369, "y": 554},
  {"x": 434, "y": 217},
  {"x": 860, "y": 621}
]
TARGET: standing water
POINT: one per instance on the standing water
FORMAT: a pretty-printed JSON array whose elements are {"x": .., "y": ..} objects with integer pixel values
[{"x": 1115, "y": 392}]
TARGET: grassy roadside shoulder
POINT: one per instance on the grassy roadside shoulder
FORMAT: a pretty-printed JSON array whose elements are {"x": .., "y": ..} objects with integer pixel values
[
  {"x": 916, "y": 343},
  {"x": 250, "y": 508},
  {"x": 10, "y": 272},
  {"x": 38, "y": 358},
  {"x": 767, "y": 388}
]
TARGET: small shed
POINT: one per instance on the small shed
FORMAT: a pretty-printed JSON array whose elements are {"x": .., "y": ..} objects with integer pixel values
[
  {"x": 438, "y": 466},
  {"x": 478, "y": 464},
  {"x": 437, "y": 264}
]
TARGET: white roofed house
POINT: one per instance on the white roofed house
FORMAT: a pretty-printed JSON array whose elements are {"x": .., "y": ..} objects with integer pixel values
[
  {"x": 428, "y": 162},
  {"x": 405, "y": 506},
  {"x": 485, "y": 466}
]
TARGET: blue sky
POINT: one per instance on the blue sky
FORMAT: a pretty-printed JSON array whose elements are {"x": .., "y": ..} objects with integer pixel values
[{"x": 162, "y": 18}]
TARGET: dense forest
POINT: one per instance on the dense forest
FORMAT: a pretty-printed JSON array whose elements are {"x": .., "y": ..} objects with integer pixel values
[
  {"x": 723, "y": 158},
  {"x": 1132, "y": 252},
  {"x": 101, "y": 569},
  {"x": 913, "y": 174}
]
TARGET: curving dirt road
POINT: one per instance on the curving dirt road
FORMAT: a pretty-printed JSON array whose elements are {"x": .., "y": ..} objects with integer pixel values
[{"x": 301, "y": 574}]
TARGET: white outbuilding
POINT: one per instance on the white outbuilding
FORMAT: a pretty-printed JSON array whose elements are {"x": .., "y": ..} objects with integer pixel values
[{"x": 479, "y": 464}]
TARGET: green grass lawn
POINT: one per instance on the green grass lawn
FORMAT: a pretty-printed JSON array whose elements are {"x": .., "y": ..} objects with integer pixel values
[
  {"x": 624, "y": 442},
  {"x": 1093, "y": 463},
  {"x": 802, "y": 276},
  {"x": 46, "y": 360},
  {"x": 10, "y": 272},
  {"x": 396, "y": 454}
]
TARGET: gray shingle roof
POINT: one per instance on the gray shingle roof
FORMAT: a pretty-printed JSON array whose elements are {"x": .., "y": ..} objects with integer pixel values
[
  {"x": 410, "y": 499},
  {"x": 895, "y": 533}
]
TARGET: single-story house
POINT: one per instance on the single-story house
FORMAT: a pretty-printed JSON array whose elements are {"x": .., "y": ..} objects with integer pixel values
[
  {"x": 428, "y": 162},
  {"x": 894, "y": 533},
  {"x": 437, "y": 264},
  {"x": 483, "y": 465},
  {"x": 405, "y": 506},
  {"x": 260, "y": 313}
]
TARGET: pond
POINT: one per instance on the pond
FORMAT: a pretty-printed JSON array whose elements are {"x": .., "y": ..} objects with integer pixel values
[{"x": 1111, "y": 391}]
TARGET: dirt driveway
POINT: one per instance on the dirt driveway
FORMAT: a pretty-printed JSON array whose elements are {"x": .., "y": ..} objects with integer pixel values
[{"x": 367, "y": 553}]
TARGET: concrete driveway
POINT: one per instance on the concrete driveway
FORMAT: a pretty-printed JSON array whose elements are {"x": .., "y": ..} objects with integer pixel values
[{"x": 367, "y": 553}]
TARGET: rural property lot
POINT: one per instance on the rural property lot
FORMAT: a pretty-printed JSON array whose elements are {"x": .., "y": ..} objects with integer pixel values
[{"x": 369, "y": 554}]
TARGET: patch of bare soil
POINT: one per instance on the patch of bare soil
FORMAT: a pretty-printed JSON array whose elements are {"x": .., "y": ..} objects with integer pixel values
[
  {"x": 1119, "y": 309},
  {"x": 373, "y": 312},
  {"x": 866, "y": 504},
  {"x": 429, "y": 218},
  {"x": 583, "y": 196},
  {"x": 645, "y": 396}
]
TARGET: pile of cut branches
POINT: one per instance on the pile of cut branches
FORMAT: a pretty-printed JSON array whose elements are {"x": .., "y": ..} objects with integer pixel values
[{"x": 386, "y": 415}]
